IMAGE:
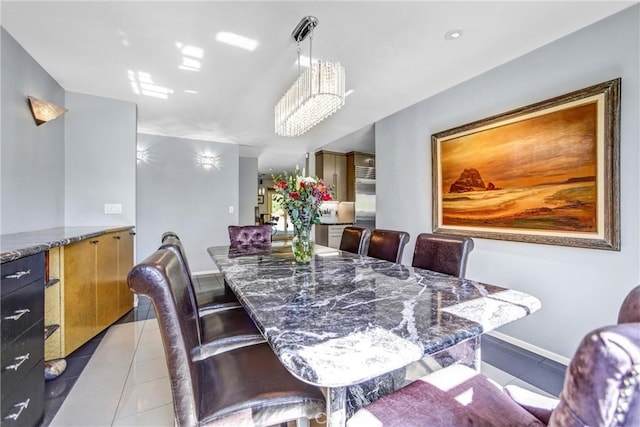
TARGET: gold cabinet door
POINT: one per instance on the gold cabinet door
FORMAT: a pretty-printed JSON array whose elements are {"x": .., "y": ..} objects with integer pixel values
[
  {"x": 107, "y": 280},
  {"x": 79, "y": 260}
]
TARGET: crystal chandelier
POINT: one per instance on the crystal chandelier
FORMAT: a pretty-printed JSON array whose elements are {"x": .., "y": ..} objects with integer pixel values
[{"x": 315, "y": 95}]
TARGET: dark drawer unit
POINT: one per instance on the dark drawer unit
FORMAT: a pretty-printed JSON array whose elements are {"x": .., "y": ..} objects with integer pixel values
[
  {"x": 21, "y": 357},
  {"x": 24, "y": 406},
  {"x": 20, "y": 310},
  {"x": 22, "y": 341}
]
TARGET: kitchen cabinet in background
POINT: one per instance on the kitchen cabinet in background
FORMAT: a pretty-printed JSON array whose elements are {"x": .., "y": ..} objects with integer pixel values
[
  {"x": 329, "y": 235},
  {"x": 332, "y": 168}
]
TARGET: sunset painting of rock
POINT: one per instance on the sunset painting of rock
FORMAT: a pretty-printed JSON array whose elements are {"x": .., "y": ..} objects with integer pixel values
[{"x": 538, "y": 174}]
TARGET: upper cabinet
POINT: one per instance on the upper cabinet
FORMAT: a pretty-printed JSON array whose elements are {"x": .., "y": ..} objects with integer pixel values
[{"x": 332, "y": 168}]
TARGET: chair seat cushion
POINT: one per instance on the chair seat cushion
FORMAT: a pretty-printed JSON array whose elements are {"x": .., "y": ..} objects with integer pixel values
[
  {"x": 226, "y": 330},
  {"x": 214, "y": 300},
  {"x": 453, "y": 396},
  {"x": 249, "y": 386}
]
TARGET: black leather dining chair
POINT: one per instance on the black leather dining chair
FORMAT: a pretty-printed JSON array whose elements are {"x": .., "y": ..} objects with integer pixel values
[
  {"x": 387, "y": 244},
  {"x": 220, "y": 330},
  {"x": 208, "y": 301},
  {"x": 441, "y": 253},
  {"x": 355, "y": 240},
  {"x": 245, "y": 386},
  {"x": 601, "y": 388}
]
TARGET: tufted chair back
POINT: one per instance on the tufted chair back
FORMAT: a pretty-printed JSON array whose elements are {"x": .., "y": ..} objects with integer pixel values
[
  {"x": 355, "y": 240},
  {"x": 160, "y": 277},
  {"x": 250, "y": 235},
  {"x": 444, "y": 254},
  {"x": 387, "y": 244}
]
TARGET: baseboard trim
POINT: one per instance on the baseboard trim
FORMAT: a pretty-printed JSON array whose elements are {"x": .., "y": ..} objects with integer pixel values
[{"x": 530, "y": 347}]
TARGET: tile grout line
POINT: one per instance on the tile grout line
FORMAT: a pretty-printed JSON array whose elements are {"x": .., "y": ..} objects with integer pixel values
[{"x": 144, "y": 325}]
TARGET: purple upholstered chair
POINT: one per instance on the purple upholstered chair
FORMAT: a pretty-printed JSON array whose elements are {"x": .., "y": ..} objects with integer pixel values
[
  {"x": 602, "y": 388},
  {"x": 355, "y": 240},
  {"x": 387, "y": 244},
  {"x": 441, "y": 253},
  {"x": 245, "y": 386},
  {"x": 250, "y": 235}
]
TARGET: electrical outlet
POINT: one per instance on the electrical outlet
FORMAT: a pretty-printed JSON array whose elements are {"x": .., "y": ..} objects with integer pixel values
[
  {"x": 112, "y": 208},
  {"x": 231, "y": 210}
]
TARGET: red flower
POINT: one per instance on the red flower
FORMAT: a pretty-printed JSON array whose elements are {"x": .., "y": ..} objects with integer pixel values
[
  {"x": 281, "y": 184},
  {"x": 294, "y": 195},
  {"x": 326, "y": 197}
]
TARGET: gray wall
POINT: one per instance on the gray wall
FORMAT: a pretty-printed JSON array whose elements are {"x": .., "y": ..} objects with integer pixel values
[
  {"x": 248, "y": 188},
  {"x": 100, "y": 158},
  {"x": 580, "y": 289},
  {"x": 175, "y": 193},
  {"x": 32, "y": 171}
]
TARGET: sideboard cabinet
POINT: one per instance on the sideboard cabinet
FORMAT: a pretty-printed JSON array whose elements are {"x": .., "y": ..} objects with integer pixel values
[
  {"x": 92, "y": 292},
  {"x": 22, "y": 355}
]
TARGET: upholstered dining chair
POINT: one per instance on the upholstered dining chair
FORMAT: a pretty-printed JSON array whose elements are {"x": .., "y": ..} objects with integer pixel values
[
  {"x": 601, "y": 388},
  {"x": 355, "y": 240},
  {"x": 246, "y": 386},
  {"x": 249, "y": 235},
  {"x": 207, "y": 301},
  {"x": 218, "y": 331},
  {"x": 444, "y": 254},
  {"x": 387, "y": 244}
]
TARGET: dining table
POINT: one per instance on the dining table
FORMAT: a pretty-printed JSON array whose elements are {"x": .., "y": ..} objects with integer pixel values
[{"x": 361, "y": 327}]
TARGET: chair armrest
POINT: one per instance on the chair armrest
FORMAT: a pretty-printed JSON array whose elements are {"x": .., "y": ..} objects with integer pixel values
[{"x": 537, "y": 405}]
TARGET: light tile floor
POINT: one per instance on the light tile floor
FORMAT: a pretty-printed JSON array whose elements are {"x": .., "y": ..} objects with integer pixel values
[{"x": 126, "y": 383}]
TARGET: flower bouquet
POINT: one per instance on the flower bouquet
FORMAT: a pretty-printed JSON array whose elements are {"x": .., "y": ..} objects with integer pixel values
[{"x": 301, "y": 197}]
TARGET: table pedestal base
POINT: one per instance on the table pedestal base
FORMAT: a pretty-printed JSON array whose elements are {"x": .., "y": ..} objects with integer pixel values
[{"x": 343, "y": 402}]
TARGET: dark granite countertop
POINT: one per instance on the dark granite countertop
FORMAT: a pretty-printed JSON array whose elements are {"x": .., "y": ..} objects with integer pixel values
[
  {"x": 344, "y": 319},
  {"x": 17, "y": 245}
]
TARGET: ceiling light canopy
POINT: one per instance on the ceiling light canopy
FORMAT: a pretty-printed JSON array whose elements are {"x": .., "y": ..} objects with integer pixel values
[{"x": 315, "y": 95}]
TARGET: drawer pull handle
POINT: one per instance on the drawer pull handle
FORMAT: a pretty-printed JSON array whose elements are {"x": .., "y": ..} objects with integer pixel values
[
  {"x": 18, "y": 275},
  {"x": 19, "y": 361},
  {"x": 21, "y": 407},
  {"x": 18, "y": 314},
  {"x": 116, "y": 237},
  {"x": 95, "y": 242}
]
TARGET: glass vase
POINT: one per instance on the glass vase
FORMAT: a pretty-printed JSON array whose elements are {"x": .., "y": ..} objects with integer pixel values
[{"x": 302, "y": 245}]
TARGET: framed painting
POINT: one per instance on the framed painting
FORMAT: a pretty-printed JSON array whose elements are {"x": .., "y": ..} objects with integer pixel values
[{"x": 546, "y": 173}]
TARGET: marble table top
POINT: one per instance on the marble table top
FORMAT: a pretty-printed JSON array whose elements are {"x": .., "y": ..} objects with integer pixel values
[
  {"x": 344, "y": 319},
  {"x": 17, "y": 245}
]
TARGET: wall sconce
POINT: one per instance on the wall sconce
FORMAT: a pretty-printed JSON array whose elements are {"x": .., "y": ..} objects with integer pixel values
[
  {"x": 261, "y": 191},
  {"x": 44, "y": 111},
  {"x": 141, "y": 156},
  {"x": 207, "y": 162}
]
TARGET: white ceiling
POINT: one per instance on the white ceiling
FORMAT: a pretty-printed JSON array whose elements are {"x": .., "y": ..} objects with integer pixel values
[{"x": 394, "y": 52}]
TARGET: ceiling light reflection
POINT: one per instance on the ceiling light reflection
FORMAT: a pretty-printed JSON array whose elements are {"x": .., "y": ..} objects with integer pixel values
[
  {"x": 236, "y": 40},
  {"x": 142, "y": 84}
]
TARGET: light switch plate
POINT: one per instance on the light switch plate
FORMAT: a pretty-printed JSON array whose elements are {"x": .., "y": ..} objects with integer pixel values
[
  {"x": 231, "y": 210},
  {"x": 112, "y": 208}
]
